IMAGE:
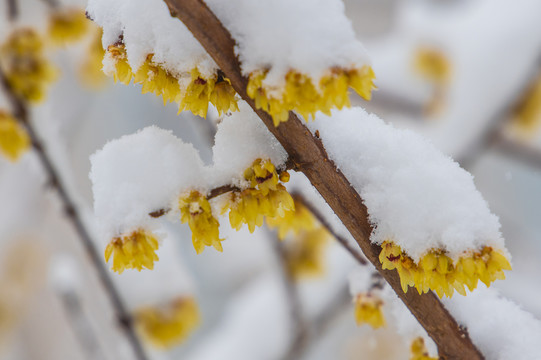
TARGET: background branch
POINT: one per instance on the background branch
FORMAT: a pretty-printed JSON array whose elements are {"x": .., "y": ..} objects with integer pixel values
[
  {"x": 309, "y": 155},
  {"x": 20, "y": 112}
]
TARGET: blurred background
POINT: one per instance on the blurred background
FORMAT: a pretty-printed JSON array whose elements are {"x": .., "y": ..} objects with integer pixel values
[{"x": 466, "y": 74}]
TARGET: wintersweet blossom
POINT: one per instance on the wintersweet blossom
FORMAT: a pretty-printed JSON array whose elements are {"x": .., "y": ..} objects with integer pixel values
[
  {"x": 14, "y": 140},
  {"x": 368, "y": 310},
  {"x": 169, "y": 325},
  {"x": 137, "y": 250},
  {"x": 67, "y": 26}
]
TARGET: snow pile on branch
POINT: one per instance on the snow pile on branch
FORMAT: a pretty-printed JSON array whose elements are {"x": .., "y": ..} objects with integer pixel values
[
  {"x": 147, "y": 27},
  {"x": 138, "y": 174},
  {"x": 416, "y": 197},
  {"x": 310, "y": 36}
]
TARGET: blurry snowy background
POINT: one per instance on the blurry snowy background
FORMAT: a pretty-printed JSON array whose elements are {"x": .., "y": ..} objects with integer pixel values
[{"x": 51, "y": 304}]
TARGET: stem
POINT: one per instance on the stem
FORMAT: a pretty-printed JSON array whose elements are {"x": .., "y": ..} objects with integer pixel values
[
  {"x": 13, "y": 10},
  {"x": 309, "y": 155},
  {"x": 20, "y": 111}
]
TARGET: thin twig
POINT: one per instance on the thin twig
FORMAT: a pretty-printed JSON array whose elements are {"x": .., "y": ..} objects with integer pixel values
[
  {"x": 309, "y": 155},
  {"x": 20, "y": 111},
  {"x": 13, "y": 10},
  {"x": 295, "y": 308},
  {"x": 343, "y": 241}
]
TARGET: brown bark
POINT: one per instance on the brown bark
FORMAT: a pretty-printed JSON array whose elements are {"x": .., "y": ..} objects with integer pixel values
[{"x": 309, "y": 156}]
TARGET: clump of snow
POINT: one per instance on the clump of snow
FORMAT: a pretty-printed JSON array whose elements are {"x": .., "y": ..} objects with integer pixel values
[
  {"x": 310, "y": 36},
  {"x": 141, "y": 173},
  {"x": 416, "y": 196},
  {"x": 148, "y": 28},
  {"x": 498, "y": 326},
  {"x": 240, "y": 139}
]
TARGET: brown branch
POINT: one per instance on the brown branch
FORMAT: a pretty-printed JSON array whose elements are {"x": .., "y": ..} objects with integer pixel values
[
  {"x": 13, "y": 10},
  {"x": 309, "y": 155},
  {"x": 20, "y": 111}
]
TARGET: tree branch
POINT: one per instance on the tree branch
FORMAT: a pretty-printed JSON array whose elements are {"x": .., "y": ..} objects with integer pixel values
[
  {"x": 309, "y": 155},
  {"x": 20, "y": 111}
]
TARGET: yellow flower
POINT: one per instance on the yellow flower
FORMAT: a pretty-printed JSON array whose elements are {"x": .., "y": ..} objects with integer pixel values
[
  {"x": 305, "y": 253},
  {"x": 419, "y": 351},
  {"x": 67, "y": 25},
  {"x": 14, "y": 140},
  {"x": 368, "y": 310},
  {"x": 527, "y": 115},
  {"x": 436, "y": 271},
  {"x": 295, "y": 221},
  {"x": 27, "y": 71},
  {"x": 196, "y": 211},
  {"x": 301, "y": 95},
  {"x": 90, "y": 72},
  {"x": 265, "y": 197},
  {"x": 167, "y": 326},
  {"x": 134, "y": 251},
  {"x": 432, "y": 65},
  {"x": 194, "y": 95}
]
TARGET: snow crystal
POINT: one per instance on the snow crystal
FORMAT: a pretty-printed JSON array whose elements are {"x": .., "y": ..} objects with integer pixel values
[
  {"x": 148, "y": 28},
  {"x": 416, "y": 196},
  {"x": 499, "y": 327},
  {"x": 240, "y": 139},
  {"x": 138, "y": 174},
  {"x": 308, "y": 35}
]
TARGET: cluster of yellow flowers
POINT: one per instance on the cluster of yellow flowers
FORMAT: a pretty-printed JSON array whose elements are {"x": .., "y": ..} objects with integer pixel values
[
  {"x": 165, "y": 327},
  {"x": 368, "y": 310},
  {"x": 436, "y": 271},
  {"x": 527, "y": 115},
  {"x": 26, "y": 69},
  {"x": 134, "y": 251},
  {"x": 433, "y": 66},
  {"x": 67, "y": 26},
  {"x": 196, "y": 211},
  {"x": 301, "y": 95},
  {"x": 195, "y": 96},
  {"x": 265, "y": 197},
  {"x": 305, "y": 250},
  {"x": 419, "y": 351},
  {"x": 14, "y": 140}
]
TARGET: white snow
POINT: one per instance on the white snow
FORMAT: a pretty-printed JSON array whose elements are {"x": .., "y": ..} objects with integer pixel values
[
  {"x": 148, "y": 28},
  {"x": 416, "y": 196},
  {"x": 138, "y": 174},
  {"x": 310, "y": 36}
]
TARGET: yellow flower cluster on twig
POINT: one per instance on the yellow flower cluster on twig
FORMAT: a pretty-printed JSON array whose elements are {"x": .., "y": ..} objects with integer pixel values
[
  {"x": 167, "y": 326},
  {"x": 14, "y": 140},
  {"x": 193, "y": 95},
  {"x": 368, "y": 310},
  {"x": 436, "y": 271},
  {"x": 134, "y": 251},
  {"x": 300, "y": 94},
  {"x": 265, "y": 197},
  {"x": 304, "y": 252},
  {"x": 67, "y": 26},
  {"x": 26, "y": 69},
  {"x": 419, "y": 351},
  {"x": 196, "y": 211}
]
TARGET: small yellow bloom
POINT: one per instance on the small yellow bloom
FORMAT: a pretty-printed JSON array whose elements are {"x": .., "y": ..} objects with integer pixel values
[
  {"x": 265, "y": 198},
  {"x": 294, "y": 221},
  {"x": 301, "y": 95},
  {"x": 436, "y": 271},
  {"x": 432, "y": 65},
  {"x": 194, "y": 95},
  {"x": 14, "y": 140},
  {"x": 90, "y": 72},
  {"x": 67, "y": 26},
  {"x": 196, "y": 211},
  {"x": 419, "y": 351},
  {"x": 167, "y": 326},
  {"x": 305, "y": 253},
  {"x": 527, "y": 116},
  {"x": 368, "y": 310},
  {"x": 27, "y": 71},
  {"x": 134, "y": 251}
]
